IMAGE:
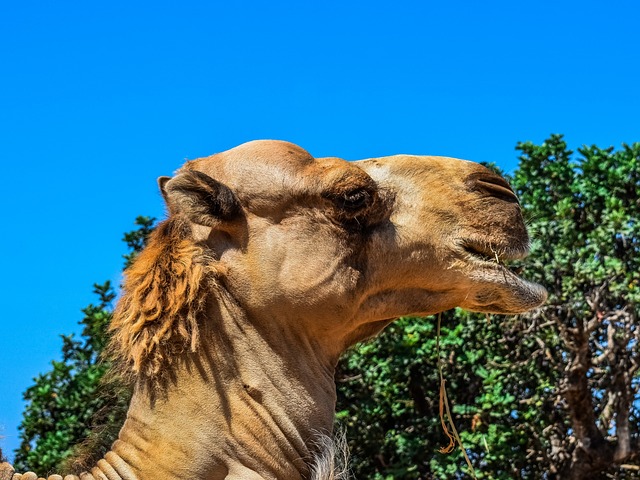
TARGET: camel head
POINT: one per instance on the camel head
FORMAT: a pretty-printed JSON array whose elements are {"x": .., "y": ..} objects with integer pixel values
[
  {"x": 337, "y": 249},
  {"x": 269, "y": 265}
]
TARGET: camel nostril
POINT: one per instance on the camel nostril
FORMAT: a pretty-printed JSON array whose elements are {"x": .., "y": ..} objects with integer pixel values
[{"x": 493, "y": 185}]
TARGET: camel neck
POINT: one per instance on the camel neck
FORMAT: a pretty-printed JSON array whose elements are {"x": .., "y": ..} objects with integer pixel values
[{"x": 247, "y": 404}]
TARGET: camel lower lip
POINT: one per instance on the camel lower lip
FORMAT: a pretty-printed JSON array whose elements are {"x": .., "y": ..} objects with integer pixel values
[{"x": 523, "y": 295}]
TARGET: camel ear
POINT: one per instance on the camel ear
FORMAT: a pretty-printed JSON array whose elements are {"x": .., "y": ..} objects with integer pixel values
[{"x": 202, "y": 199}]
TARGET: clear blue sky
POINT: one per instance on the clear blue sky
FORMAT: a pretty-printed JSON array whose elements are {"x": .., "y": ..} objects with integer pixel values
[{"x": 97, "y": 99}]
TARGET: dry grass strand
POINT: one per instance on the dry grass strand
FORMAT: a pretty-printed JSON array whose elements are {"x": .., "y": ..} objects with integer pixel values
[{"x": 444, "y": 406}]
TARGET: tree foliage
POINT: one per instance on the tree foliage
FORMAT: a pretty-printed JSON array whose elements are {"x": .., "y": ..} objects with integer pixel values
[
  {"x": 584, "y": 218},
  {"x": 66, "y": 403}
]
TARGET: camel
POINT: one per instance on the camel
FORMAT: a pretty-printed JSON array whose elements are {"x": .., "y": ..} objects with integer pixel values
[{"x": 269, "y": 265}]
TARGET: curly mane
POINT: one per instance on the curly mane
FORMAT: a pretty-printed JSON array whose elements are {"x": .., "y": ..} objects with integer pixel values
[{"x": 164, "y": 293}]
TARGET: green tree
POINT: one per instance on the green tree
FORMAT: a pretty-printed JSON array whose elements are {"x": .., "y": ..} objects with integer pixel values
[
  {"x": 389, "y": 402},
  {"x": 552, "y": 394},
  {"x": 584, "y": 219},
  {"x": 67, "y": 402}
]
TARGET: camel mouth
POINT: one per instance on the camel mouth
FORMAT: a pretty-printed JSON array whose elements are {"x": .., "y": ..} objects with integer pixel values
[
  {"x": 486, "y": 252},
  {"x": 496, "y": 257},
  {"x": 498, "y": 270}
]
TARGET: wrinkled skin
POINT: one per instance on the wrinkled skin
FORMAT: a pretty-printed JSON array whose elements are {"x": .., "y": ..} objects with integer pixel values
[{"x": 310, "y": 256}]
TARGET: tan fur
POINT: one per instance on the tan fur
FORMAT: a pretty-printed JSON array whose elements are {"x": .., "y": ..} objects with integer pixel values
[
  {"x": 6, "y": 470},
  {"x": 164, "y": 294}
]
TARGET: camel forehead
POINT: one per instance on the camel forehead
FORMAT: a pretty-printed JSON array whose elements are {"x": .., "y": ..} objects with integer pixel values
[
  {"x": 259, "y": 167},
  {"x": 255, "y": 160},
  {"x": 270, "y": 169}
]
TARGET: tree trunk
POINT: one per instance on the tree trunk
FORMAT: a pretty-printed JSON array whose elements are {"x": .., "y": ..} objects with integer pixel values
[{"x": 592, "y": 454}]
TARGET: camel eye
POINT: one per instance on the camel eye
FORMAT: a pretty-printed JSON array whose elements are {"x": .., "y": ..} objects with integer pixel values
[{"x": 356, "y": 199}]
